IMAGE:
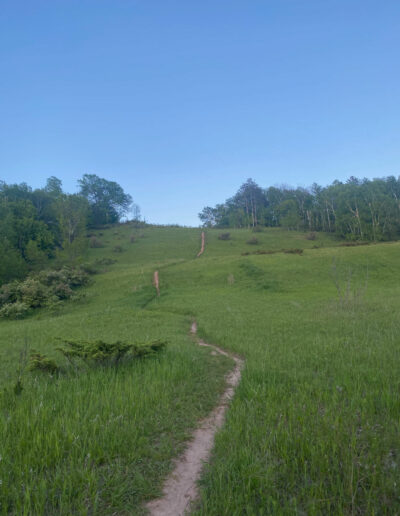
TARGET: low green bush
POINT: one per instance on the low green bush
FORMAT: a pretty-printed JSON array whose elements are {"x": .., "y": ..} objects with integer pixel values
[
  {"x": 9, "y": 293},
  {"x": 62, "y": 290},
  {"x": 252, "y": 241},
  {"x": 293, "y": 251},
  {"x": 354, "y": 243},
  {"x": 89, "y": 268},
  {"x": 33, "y": 293},
  {"x": 47, "y": 288},
  {"x": 39, "y": 362},
  {"x": 16, "y": 310},
  {"x": 73, "y": 276},
  {"x": 95, "y": 243},
  {"x": 105, "y": 261},
  {"x": 18, "y": 387},
  {"x": 100, "y": 352},
  {"x": 270, "y": 251},
  {"x": 94, "y": 353}
]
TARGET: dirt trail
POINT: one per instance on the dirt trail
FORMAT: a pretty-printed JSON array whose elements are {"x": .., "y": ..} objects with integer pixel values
[
  {"x": 156, "y": 283},
  {"x": 203, "y": 243},
  {"x": 180, "y": 488}
]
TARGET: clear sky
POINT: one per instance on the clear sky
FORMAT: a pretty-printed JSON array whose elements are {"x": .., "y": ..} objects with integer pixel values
[{"x": 180, "y": 101}]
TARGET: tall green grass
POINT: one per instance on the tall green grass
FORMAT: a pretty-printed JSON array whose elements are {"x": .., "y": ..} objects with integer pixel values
[
  {"x": 314, "y": 426},
  {"x": 100, "y": 441}
]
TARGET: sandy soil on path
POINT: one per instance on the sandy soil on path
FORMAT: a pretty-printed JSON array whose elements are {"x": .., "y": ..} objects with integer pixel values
[
  {"x": 203, "y": 243},
  {"x": 156, "y": 283},
  {"x": 180, "y": 488}
]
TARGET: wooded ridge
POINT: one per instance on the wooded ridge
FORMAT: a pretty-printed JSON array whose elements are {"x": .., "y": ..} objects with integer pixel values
[{"x": 359, "y": 209}]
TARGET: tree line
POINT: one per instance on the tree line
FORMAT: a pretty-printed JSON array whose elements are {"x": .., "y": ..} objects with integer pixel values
[
  {"x": 358, "y": 209},
  {"x": 36, "y": 225}
]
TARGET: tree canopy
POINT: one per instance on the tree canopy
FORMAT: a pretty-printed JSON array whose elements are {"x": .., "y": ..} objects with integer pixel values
[
  {"x": 360, "y": 209},
  {"x": 37, "y": 224},
  {"x": 107, "y": 199}
]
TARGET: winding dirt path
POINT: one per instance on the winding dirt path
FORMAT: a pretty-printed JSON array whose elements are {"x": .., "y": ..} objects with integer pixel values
[
  {"x": 180, "y": 488},
  {"x": 203, "y": 243},
  {"x": 156, "y": 283}
]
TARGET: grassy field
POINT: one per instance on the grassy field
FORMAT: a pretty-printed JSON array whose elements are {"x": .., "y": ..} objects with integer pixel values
[{"x": 314, "y": 426}]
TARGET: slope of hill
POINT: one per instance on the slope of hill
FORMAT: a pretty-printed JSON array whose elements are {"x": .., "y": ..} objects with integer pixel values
[{"x": 313, "y": 427}]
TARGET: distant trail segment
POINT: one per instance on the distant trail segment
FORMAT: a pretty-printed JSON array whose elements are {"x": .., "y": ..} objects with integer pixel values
[
  {"x": 203, "y": 244},
  {"x": 156, "y": 283},
  {"x": 180, "y": 488}
]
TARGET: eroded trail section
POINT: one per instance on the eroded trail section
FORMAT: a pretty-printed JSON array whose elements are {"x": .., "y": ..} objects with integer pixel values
[
  {"x": 203, "y": 244},
  {"x": 180, "y": 489},
  {"x": 156, "y": 283}
]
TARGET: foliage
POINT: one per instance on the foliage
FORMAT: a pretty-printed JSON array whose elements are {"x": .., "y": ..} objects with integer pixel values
[
  {"x": 71, "y": 254},
  {"x": 9, "y": 293},
  {"x": 12, "y": 264},
  {"x": 95, "y": 243},
  {"x": 100, "y": 352},
  {"x": 34, "y": 256},
  {"x": 54, "y": 186},
  {"x": 293, "y": 251},
  {"x": 72, "y": 216},
  {"x": 224, "y": 236},
  {"x": 39, "y": 362},
  {"x": 39, "y": 225},
  {"x": 17, "y": 310},
  {"x": 32, "y": 292},
  {"x": 89, "y": 268},
  {"x": 108, "y": 201},
  {"x": 105, "y": 261},
  {"x": 18, "y": 387},
  {"x": 94, "y": 353},
  {"x": 354, "y": 243},
  {"x": 252, "y": 241},
  {"x": 73, "y": 276},
  {"x": 270, "y": 251},
  {"x": 42, "y": 289},
  {"x": 356, "y": 210}
]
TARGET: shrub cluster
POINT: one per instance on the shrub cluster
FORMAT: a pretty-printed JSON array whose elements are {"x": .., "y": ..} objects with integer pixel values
[
  {"x": 252, "y": 241},
  {"x": 95, "y": 243},
  {"x": 354, "y": 243},
  {"x": 311, "y": 236},
  {"x": 293, "y": 251},
  {"x": 105, "y": 261},
  {"x": 287, "y": 251},
  {"x": 44, "y": 289},
  {"x": 94, "y": 353},
  {"x": 224, "y": 236},
  {"x": 259, "y": 251},
  {"x": 39, "y": 362},
  {"x": 100, "y": 352}
]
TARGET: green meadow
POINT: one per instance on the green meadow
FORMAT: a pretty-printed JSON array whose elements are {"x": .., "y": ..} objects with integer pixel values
[{"x": 315, "y": 422}]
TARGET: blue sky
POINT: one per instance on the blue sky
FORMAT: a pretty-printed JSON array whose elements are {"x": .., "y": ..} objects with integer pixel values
[{"x": 181, "y": 101}]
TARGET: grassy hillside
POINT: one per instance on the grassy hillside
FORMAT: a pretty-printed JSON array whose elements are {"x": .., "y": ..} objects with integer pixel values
[{"x": 314, "y": 425}]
